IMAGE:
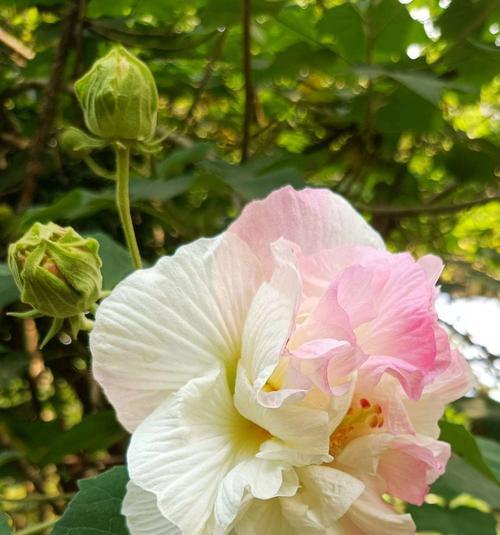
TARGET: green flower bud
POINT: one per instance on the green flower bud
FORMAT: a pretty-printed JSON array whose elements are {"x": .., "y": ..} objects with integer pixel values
[
  {"x": 119, "y": 97},
  {"x": 57, "y": 271}
]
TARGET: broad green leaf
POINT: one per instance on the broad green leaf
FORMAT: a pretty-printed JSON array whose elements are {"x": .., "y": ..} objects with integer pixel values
[
  {"x": 491, "y": 454},
  {"x": 12, "y": 366},
  {"x": 426, "y": 86},
  {"x": 460, "y": 477},
  {"x": 82, "y": 203},
  {"x": 96, "y": 508},
  {"x": 175, "y": 163},
  {"x": 160, "y": 190},
  {"x": 406, "y": 111},
  {"x": 257, "y": 178},
  {"x": 8, "y": 289},
  {"x": 4, "y": 525},
  {"x": 105, "y": 8},
  {"x": 464, "y": 444},
  {"x": 116, "y": 261},
  {"x": 76, "y": 204},
  {"x": 452, "y": 21},
  {"x": 162, "y": 42},
  {"x": 392, "y": 29},
  {"x": 9, "y": 456},
  {"x": 95, "y": 432},
  {"x": 456, "y": 521},
  {"x": 343, "y": 24}
]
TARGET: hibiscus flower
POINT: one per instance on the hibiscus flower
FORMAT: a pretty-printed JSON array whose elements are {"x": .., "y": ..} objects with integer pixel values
[{"x": 279, "y": 378}]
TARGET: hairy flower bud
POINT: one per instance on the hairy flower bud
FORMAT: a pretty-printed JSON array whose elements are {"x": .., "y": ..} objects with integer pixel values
[
  {"x": 119, "y": 97},
  {"x": 57, "y": 271}
]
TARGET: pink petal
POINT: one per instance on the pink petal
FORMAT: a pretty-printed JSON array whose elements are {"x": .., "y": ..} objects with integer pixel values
[
  {"x": 411, "y": 464},
  {"x": 314, "y": 219}
]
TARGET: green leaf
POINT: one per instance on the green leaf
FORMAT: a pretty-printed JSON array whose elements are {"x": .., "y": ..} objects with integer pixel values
[
  {"x": 393, "y": 29},
  {"x": 76, "y": 204},
  {"x": 96, "y": 508},
  {"x": 428, "y": 87},
  {"x": 176, "y": 162},
  {"x": 345, "y": 26},
  {"x": 105, "y": 8},
  {"x": 81, "y": 203},
  {"x": 163, "y": 42},
  {"x": 491, "y": 453},
  {"x": 406, "y": 111},
  {"x": 12, "y": 365},
  {"x": 464, "y": 444},
  {"x": 257, "y": 178},
  {"x": 116, "y": 261},
  {"x": 4, "y": 525},
  {"x": 460, "y": 477},
  {"x": 6, "y": 457},
  {"x": 456, "y": 521},
  {"x": 159, "y": 190},
  {"x": 95, "y": 432},
  {"x": 452, "y": 21},
  {"x": 8, "y": 289}
]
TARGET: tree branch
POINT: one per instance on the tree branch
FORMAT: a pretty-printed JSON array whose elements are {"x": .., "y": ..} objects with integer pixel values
[
  {"x": 207, "y": 75},
  {"x": 403, "y": 211},
  {"x": 247, "y": 73},
  {"x": 48, "y": 108}
]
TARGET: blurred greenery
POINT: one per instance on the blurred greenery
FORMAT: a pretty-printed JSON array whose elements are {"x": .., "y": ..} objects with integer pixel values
[{"x": 394, "y": 105}]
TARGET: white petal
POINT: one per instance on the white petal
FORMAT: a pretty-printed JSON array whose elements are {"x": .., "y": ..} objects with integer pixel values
[
  {"x": 326, "y": 494},
  {"x": 143, "y": 515},
  {"x": 269, "y": 323},
  {"x": 165, "y": 325},
  {"x": 362, "y": 455},
  {"x": 370, "y": 515},
  {"x": 265, "y": 517},
  {"x": 185, "y": 448},
  {"x": 300, "y": 435},
  {"x": 254, "y": 478}
]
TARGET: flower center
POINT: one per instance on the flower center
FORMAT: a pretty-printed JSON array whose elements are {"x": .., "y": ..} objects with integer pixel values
[{"x": 362, "y": 418}]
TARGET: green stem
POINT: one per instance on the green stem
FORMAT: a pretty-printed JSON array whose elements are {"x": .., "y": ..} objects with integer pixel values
[
  {"x": 38, "y": 528},
  {"x": 123, "y": 202}
]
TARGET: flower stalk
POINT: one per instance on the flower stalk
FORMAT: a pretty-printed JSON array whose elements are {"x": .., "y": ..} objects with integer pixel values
[{"x": 122, "y": 153}]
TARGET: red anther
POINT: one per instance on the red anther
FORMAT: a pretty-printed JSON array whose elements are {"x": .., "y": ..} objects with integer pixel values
[{"x": 364, "y": 403}]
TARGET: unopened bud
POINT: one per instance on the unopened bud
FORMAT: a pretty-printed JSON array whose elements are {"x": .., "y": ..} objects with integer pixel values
[
  {"x": 57, "y": 271},
  {"x": 119, "y": 98}
]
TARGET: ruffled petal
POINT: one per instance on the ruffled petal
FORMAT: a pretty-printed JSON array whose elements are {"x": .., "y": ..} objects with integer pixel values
[
  {"x": 325, "y": 495},
  {"x": 253, "y": 478},
  {"x": 411, "y": 464},
  {"x": 314, "y": 219},
  {"x": 297, "y": 434},
  {"x": 454, "y": 382},
  {"x": 185, "y": 448},
  {"x": 265, "y": 517},
  {"x": 178, "y": 320},
  {"x": 370, "y": 515},
  {"x": 142, "y": 514},
  {"x": 269, "y": 324}
]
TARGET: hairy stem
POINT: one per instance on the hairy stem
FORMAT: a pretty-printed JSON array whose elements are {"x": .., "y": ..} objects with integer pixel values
[{"x": 123, "y": 202}]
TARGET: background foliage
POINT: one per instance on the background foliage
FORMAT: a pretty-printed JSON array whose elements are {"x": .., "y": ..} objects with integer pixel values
[{"x": 395, "y": 105}]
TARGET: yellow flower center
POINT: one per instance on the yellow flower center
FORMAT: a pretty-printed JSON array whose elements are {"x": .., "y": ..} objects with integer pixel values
[{"x": 362, "y": 418}]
